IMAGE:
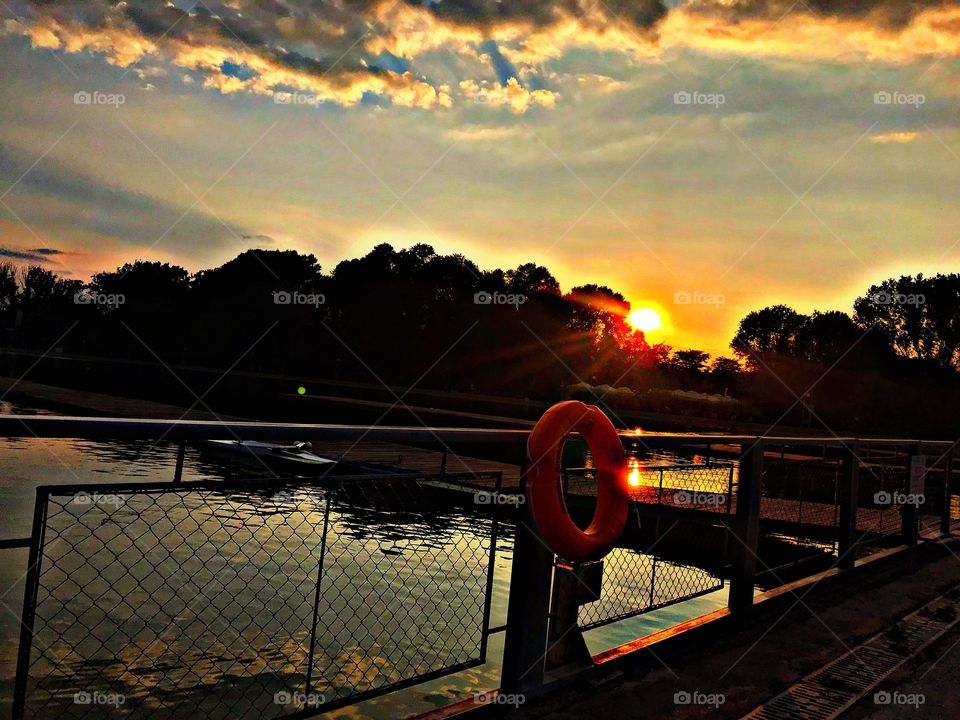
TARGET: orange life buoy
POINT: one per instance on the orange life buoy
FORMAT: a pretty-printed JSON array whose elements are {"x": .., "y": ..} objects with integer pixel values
[{"x": 545, "y": 481}]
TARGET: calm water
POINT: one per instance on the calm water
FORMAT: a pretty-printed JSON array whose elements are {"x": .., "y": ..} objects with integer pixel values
[{"x": 401, "y": 591}]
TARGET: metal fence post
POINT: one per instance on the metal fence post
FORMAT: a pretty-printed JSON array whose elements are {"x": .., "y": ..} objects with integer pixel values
[
  {"x": 946, "y": 516},
  {"x": 909, "y": 512},
  {"x": 746, "y": 527},
  {"x": 849, "y": 495},
  {"x": 181, "y": 454},
  {"x": 528, "y": 607},
  {"x": 30, "y": 590}
]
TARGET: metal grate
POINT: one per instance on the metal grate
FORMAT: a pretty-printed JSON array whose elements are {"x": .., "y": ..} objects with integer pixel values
[
  {"x": 803, "y": 702},
  {"x": 826, "y": 693},
  {"x": 248, "y": 599}
]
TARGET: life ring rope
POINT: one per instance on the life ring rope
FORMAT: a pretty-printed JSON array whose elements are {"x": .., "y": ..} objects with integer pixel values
[{"x": 545, "y": 490}]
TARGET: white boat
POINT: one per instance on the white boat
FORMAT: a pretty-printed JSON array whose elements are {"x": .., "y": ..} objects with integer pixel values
[{"x": 296, "y": 453}]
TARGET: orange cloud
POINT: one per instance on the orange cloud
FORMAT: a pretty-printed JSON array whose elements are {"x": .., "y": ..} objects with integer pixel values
[
  {"x": 513, "y": 95},
  {"x": 898, "y": 138},
  {"x": 527, "y": 36},
  {"x": 124, "y": 46},
  {"x": 932, "y": 32}
]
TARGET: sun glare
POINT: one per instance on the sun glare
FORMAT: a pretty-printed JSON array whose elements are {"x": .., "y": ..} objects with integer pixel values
[{"x": 644, "y": 319}]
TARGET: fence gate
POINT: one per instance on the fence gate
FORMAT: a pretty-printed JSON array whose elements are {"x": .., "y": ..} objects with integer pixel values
[{"x": 257, "y": 598}]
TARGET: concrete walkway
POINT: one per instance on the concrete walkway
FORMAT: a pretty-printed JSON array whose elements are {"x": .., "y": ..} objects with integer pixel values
[{"x": 771, "y": 651}]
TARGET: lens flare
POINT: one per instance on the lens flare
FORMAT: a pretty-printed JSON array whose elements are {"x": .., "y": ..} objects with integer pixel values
[{"x": 645, "y": 320}]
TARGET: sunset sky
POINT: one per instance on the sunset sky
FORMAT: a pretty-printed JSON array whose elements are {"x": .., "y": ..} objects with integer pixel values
[{"x": 759, "y": 150}]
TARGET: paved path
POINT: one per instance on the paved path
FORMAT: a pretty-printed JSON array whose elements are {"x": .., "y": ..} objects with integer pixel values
[{"x": 767, "y": 656}]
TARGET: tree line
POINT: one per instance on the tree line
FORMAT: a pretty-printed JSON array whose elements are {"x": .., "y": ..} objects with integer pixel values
[{"x": 415, "y": 316}]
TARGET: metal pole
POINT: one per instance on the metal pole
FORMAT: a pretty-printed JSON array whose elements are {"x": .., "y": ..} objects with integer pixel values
[
  {"x": 316, "y": 599},
  {"x": 181, "y": 454},
  {"x": 528, "y": 607},
  {"x": 730, "y": 491},
  {"x": 946, "y": 515},
  {"x": 30, "y": 591},
  {"x": 491, "y": 562},
  {"x": 849, "y": 494},
  {"x": 746, "y": 527},
  {"x": 909, "y": 513}
]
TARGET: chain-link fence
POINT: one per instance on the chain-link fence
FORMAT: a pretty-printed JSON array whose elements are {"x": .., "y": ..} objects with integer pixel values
[
  {"x": 635, "y": 582},
  {"x": 710, "y": 487},
  {"x": 248, "y": 599},
  {"x": 883, "y": 489},
  {"x": 661, "y": 562}
]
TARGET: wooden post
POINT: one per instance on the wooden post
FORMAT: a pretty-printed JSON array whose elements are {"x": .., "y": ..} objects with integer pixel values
[
  {"x": 746, "y": 527},
  {"x": 528, "y": 607},
  {"x": 849, "y": 494}
]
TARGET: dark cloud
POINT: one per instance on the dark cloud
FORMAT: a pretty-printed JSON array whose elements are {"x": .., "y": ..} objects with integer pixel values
[
  {"x": 46, "y": 251},
  {"x": 26, "y": 255},
  {"x": 485, "y": 13},
  {"x": 891, "y": 13}
]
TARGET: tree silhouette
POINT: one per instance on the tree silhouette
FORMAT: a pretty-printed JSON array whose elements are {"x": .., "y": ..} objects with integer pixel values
[
  {"x": 825, "y": 337},
  {"x": 918, "y": 316},
  {"x": 774, "y": 329},
  {"x": 406, "y": 317}
]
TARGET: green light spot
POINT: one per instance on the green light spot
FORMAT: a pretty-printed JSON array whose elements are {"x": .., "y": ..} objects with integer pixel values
[{"x": 301, "y": 390}]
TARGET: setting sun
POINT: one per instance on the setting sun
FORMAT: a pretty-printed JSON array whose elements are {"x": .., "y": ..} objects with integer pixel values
[{"x": 645, "y": 319}]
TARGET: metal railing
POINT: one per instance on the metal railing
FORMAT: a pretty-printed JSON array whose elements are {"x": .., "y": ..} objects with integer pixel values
[{"x": 746, "y": 513}]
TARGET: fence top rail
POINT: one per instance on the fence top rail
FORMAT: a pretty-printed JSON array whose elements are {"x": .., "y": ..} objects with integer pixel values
[{"x": 108, "y": 428}]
